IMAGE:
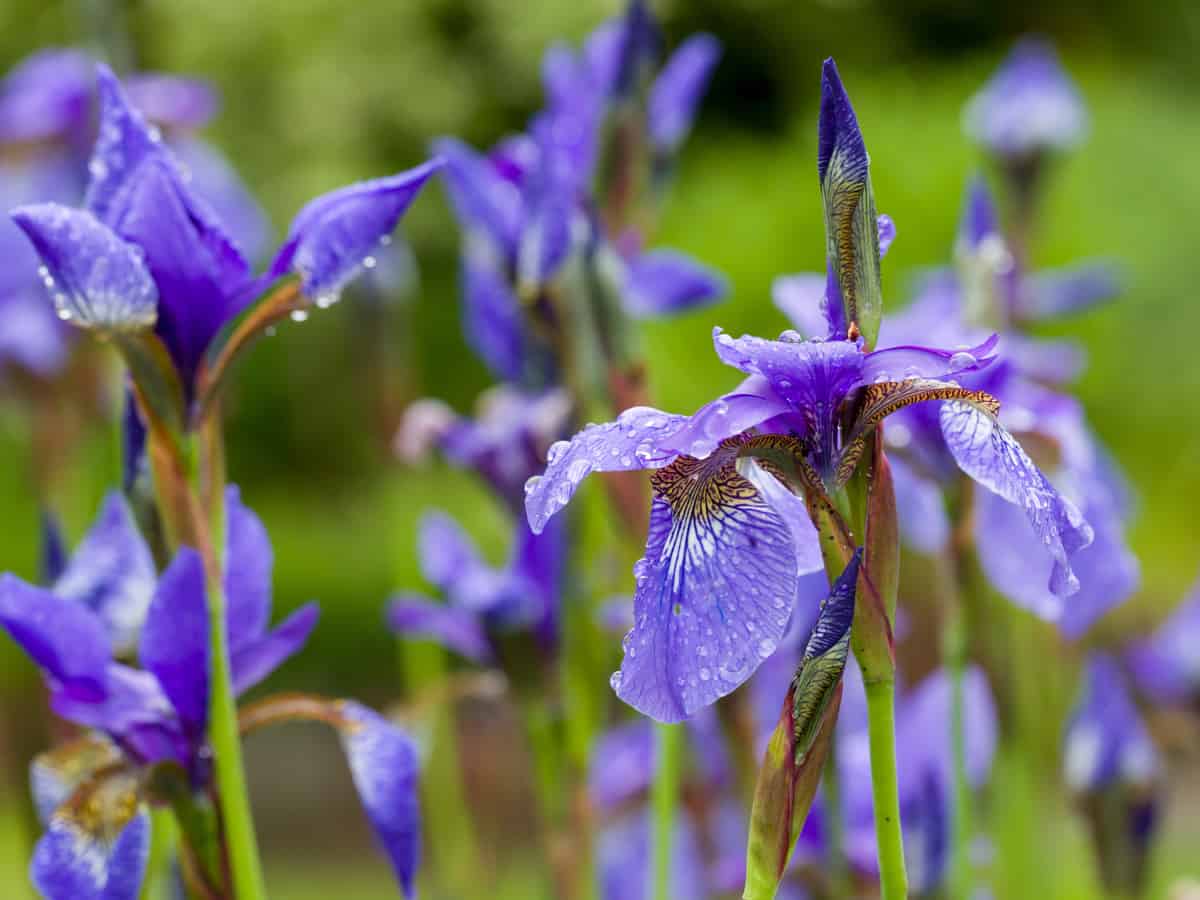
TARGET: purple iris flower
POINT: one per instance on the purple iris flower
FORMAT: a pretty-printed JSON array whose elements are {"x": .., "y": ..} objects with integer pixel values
[
  {"x": 147, "y": 250},
  {"x": 527, "y": 207},
  {"x": 1029, "y": 106},
  {"x": 1166, "y": 665},
  {"x": 483, "y": 601},
  {"x": 926, "y": 766},
  {"x": 728, "y": 539},
  {"x": 82, "y": 632},
  {"x": 47, "y": 113}
]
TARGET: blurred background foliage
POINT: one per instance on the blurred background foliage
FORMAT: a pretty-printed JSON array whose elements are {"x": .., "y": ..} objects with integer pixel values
[{"x": 318, "y": 93}]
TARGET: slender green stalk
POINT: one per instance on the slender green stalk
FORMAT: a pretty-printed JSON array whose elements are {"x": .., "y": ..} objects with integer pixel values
[
  {"x": 233, "y": 799},
  {"x": 164, "y": 836},
  {"x": 835, "y": 823},
  {"x": 881, "y": 724},
  {"x": 664, "y": 803},
  {"x": 962, "y": 819}
]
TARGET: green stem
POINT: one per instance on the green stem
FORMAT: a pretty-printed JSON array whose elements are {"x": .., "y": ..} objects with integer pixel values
[
  {"x": 164, "y": 836},
  {"x": 881, "y": 724},
  {"x": 839, "y": 875},
  {"x": 961, "y": 874},
  {"x": 233, "y": 799},
  {"x": 664, "y": 802}
]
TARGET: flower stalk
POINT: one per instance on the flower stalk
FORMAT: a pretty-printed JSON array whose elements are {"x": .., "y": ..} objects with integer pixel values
[
  {"x": 881, "y": 723},
  {"x": 665, "y": 803}
]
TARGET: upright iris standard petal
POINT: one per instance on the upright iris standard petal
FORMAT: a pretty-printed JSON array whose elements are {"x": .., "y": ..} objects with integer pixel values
[
  {"x": 63, "y": 637},
  {"x": 676, "y": 92},
  {"x": 215, "y": 181},
  {"x": 97, "y": 280},
  {"x": 254, "y": 660},
  {"x": 1029, "y": 105},
  {"x": 123, "y": 144},
  {"x": 112, "y": 573},
  {"x": 171, "y": 100},
  {"x": 800, "y": 298},
  {"x": 175, "y": 646},
  {"x": 989, "y": 454},
  {"x": 333, "y": 237},
  {"x": 492, "y": 321},
  {"x": 82, "y": 859},
  {"x": 714, "y": 590},
  {"x": 448, "y": 556},
  {"x": 201, "y": 276},
  {"x": 634, "y": 441},
  {"x": 662, "y": 282},
  {"x": 549, "y": 206},
  {"x": 851, "y": 228},
  {"x": 460, "y": 630},
  {"x": 383, "y": 762}
]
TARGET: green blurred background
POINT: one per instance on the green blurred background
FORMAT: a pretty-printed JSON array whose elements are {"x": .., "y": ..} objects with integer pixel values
[{"x": 318, "y": 93}]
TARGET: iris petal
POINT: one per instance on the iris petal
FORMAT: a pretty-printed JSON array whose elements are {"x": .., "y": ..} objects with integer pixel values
[
  {"x": 714, "y": 590},
  {"x": 636, "y": 440},
  {"x": 676, "y": 92},
  {"x": 254, "y": 661},
  {"x": 664, "y": 281},
  {"x": 97, "y": 280},
  {"x": 332, "y": 237},
  {"x": 457, "y": 629},
  {"x": 175, "y": 644},
  {"x": 64, "y": 638},
  {"x": 112, "y": 573},
  {"x": 99, "y": 853},
  {"x": 990, "y": 455},
  {"x": 383, "y": 763}
]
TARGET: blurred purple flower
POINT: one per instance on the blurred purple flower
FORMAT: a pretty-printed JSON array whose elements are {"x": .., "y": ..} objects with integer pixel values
[
  {"x": 1029, "y": 106},
  {"x": 480, "y": 600},
  {"x": 140, "y": 206},
  {"x": 505, "y": 444},
  {"x": 1166, "y": 665}
]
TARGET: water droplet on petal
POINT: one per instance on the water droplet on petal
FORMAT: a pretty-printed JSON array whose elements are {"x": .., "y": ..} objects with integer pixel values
[
  {"x": 556, "y": 450},
  {"x": 299, "y": 315},
  {"x": 766, "y": 647},
  {"x": 962, "y": 360}
]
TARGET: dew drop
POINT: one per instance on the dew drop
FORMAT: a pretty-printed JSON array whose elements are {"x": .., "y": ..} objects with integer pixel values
[
  {"x": 962, "y": 360},
  {"x": 556, "y": 450},
  {"x": 531, "y": 484},
  {"x": 299, "y": 315},
  {"x": 369, "y": 262},
  {"x": 766, "y": 647}
]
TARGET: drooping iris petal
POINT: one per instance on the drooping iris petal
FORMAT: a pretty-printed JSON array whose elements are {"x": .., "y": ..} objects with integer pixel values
[
  {"x": 254, "y": 660},
  {"x": 383, "y": 762},
  {"x": 1065, "y": 291},
  {"x": 1029, "y": 105},
  {"x": 1014, "y": 560},
  {"x": 248, "y": 562},
  {"x": 676, "y": 92},
  {"x": 96, "y": 280},
  {"x": 664, "y": 281},
  {"x": 1166, "y": 665},
  {"x": 175, "y": 645},
  {"x": 633, "y": 441},
  {"x": 79, "y": 858},
  {"x": 492, "y": 321},
  {"x": 68, "y": 641},
  {"x": 112, "y": 573},
  {"x": 714, "y": 590},
  {"x": 332, "y": 236},
  {"x": 484, "y": 201},
  {"x": 415, "y": 616},
  {"x": 990, "y": 455},
  {"x": 1106, "y": 742},
  {"x": 46, "y": 96}
]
